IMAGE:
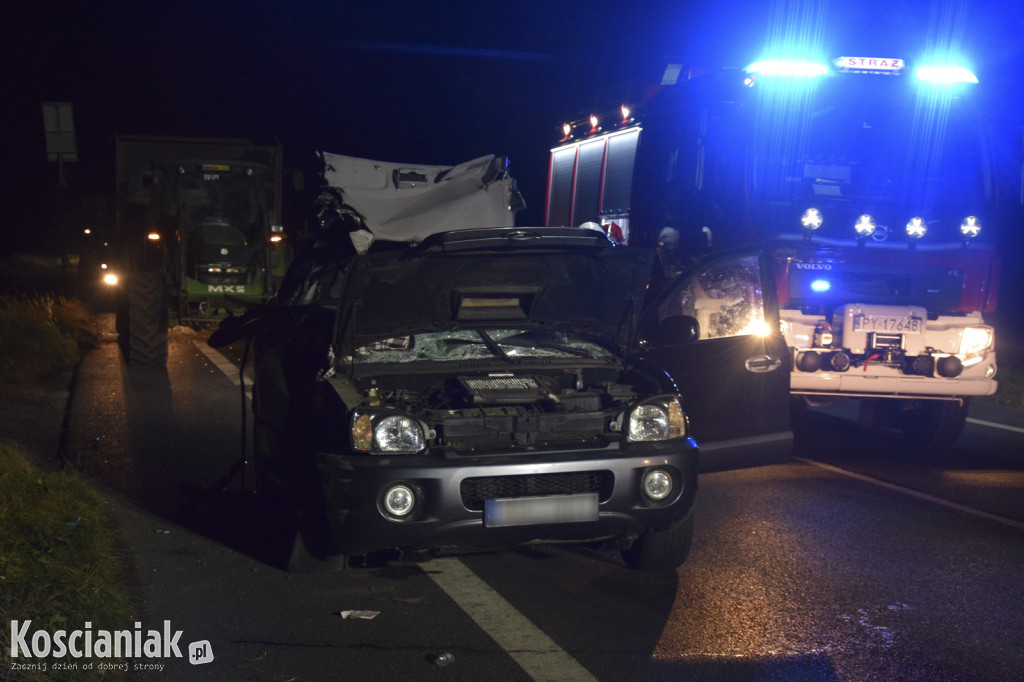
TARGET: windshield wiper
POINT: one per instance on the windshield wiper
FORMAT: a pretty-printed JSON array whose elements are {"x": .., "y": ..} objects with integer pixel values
[
  {"x": 579, "y": 352},
  {"x": 493, "y": 347}
]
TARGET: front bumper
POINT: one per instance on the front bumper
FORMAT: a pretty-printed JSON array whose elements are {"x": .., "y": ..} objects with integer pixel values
[
  {"x": 451, "y": 492},
  {"x": 885, "y": 381}
]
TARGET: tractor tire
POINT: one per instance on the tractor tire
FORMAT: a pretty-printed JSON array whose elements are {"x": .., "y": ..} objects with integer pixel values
[{"x": 144, "y": 327}]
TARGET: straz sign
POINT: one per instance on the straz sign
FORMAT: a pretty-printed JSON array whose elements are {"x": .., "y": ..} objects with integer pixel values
[
  {"x": 226, "y": 288},
  {"x": 889, "y": 65}
]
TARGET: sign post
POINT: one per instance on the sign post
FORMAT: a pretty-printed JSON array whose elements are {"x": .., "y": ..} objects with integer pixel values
[{"x": 59, "y": 125}]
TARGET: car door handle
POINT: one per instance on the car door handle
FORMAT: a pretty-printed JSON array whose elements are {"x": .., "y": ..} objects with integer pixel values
[{"x": 763, "y": 363}]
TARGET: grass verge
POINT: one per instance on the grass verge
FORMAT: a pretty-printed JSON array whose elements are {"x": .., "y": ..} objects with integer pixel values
[
  {"x": 41, "y": 334},
  {"x": 58, "y": 567}
]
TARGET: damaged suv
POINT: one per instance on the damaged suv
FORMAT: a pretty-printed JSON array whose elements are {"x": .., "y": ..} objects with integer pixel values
[{"x": 485, "y": 388}]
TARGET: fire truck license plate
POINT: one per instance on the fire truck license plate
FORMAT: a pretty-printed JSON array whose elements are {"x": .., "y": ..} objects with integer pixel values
[{"x": 888, "y": 323}]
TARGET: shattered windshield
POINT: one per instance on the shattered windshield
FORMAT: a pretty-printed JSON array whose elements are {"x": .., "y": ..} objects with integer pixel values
[{"x": 469, "y": 344}]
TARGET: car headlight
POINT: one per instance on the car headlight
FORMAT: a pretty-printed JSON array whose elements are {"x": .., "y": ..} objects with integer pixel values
[
  {"x": 976, "y": 340},
  {"x": 659, "y": 418},
  {"x": 387, "y": 434}
]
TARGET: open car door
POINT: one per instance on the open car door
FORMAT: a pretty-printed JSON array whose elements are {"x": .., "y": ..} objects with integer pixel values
[{"x": 715, "y": 330}]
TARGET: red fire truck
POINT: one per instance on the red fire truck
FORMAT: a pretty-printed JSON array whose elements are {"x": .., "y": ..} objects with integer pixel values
[{"x": 873, "y": 182}]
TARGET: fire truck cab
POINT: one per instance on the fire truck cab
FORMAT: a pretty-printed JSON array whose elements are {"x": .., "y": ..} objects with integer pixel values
[{"x": 870, "y": 181}]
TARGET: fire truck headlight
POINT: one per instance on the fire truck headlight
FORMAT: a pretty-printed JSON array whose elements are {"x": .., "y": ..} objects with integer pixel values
[
  {"x": 916, "y": 228},
  {"x": 970, "y": 227},
  {"x": 811, "y": 219},
  {"x": 865, "y": 225},
  {"x": 975, "y": 341}
]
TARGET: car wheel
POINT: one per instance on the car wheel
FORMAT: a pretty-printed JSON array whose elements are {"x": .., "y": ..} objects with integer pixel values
[
  {"x": 659, "y": 550},
  {"x": 934, "y": 424}
]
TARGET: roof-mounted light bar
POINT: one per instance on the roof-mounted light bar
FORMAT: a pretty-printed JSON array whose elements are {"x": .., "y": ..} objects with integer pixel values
[
  {"x": 945, "y": 74},
  {"x": 774, "y": 67}
]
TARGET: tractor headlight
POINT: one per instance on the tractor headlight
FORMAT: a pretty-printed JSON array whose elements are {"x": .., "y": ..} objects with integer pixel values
[
  {"x": 659, "y": 418},
  {"x": 387, "y": 433},
  {"x": 975, "y": 341}
]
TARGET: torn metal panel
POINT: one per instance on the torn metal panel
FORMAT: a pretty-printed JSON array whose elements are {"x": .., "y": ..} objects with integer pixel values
[{"x": 409, "y": 202}]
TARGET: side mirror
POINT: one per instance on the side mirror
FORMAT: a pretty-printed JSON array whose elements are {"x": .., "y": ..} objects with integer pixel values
[{"x": 677, "y": 330}]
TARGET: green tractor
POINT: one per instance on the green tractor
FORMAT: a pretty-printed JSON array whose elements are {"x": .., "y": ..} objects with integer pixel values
[{"x": 199, "y": 234}]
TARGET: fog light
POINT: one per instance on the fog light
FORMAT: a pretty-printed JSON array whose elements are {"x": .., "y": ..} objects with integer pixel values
[
  {"x": 916, "y": 227},
  {"x": 970, "y": 227},
  {"x": 809, "y": 361},
  {"x": 950, "y": 366},
  {"x": 840, "y": 362},
  {"x": 399, "y": 500},
  {"x": 923, "y": 365},
  {"x": 811, "y": 219},
  {"x": 865, "y": 225},
  {"x": 657, "y": 484},
  {"x": 110, "y": 279}
]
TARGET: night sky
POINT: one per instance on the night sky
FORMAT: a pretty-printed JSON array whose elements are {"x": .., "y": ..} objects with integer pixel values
[{"x": 420, "y": 82}]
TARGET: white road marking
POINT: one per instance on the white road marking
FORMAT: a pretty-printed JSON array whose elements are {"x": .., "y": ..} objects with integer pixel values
[
  {"x": 222, "y": 363},
  {"x": 229, "y": 368},
  {"x": 535, "y": 652},
  {"x": 994, "y": 425},
  {"x": 913, "y": 493}
]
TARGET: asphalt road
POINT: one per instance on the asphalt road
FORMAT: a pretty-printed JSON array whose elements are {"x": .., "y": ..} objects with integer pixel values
[{"x": 860, "y": 560}]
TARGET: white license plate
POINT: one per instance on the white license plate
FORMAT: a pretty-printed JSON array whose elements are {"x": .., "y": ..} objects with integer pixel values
[
  {"x": 526, "y": 511},
  {"x": 888, "y": 323}
]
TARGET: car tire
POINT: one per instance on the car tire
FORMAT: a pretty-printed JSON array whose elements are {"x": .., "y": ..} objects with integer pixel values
[
  {"x": 934, "y": 424},
  {"x": 310, "y": 551},
  {"x": 661, "y": 550}
]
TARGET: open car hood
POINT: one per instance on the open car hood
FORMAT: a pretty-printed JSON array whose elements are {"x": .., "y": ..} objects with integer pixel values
[
  {"x": 408, "y": 202},
  {"x": 558, "y": 279}
]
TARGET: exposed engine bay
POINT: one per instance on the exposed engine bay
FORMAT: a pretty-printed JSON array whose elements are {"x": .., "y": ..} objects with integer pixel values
[{"x": 499, "y": 410}]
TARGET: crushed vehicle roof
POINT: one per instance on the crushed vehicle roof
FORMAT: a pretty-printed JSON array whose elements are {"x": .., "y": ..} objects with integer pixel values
[{"x": 409, "y": 202}]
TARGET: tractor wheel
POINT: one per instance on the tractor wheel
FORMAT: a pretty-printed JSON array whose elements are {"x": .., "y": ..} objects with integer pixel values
[{"x": 144, "y": 328}]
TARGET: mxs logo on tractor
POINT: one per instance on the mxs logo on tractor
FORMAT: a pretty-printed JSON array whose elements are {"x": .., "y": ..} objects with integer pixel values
[{"x": 226, "y": 288}]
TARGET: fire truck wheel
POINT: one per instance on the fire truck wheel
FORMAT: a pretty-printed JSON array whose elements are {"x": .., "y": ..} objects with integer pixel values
[
  {"x": 662, "y": 550},
  {"x": 934, "y": 424},
  {"x": 146, "y": 319}
]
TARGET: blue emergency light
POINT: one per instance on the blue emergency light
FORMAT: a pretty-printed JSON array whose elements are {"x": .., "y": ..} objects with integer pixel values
[
  {"x": 820, "y": 286},
  {"x": 775, "y": 67},
  {"x": 945, "y": 75}
]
